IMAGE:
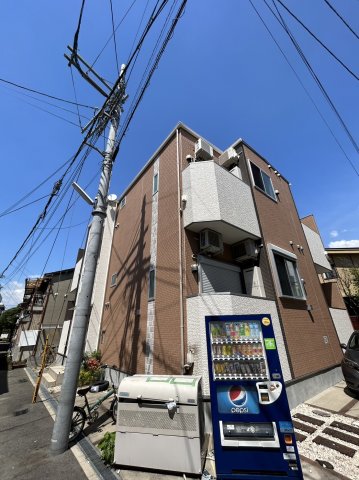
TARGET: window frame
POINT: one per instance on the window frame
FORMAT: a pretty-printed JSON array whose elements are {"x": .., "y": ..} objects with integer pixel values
[
  {"x": 113, "y": 282},
  {"x": 289, "y": 256},
  {"x": 262, "y": 172},
  {"x": 157, "y": 177},
  {"x": 123, "y": 202},
  {"x": 152, "y": 283}
]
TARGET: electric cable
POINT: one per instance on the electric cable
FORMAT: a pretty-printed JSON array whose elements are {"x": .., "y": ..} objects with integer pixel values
[
  {"x": 36, "y": 188},
  {"x": 319, "y": 41},
  {"x": 342, "y": 19},
  {"x": 75, "y": 94},
  {"x": 31, "y": 250},
  {"x": 109, "y": 39},
  {"x": 305, "y": 89},
  {"x": 15, "y": 93},
  {"x": 114, "y": 38},
  {"x": 26, "y": 205},
  {"x": 52, "y": 114},
  {"x": 44, "y": 94},
  {"x": 154, "y": 66},
  {"x": 95, "y": 131},
  {"x": 313, "y": 74}
]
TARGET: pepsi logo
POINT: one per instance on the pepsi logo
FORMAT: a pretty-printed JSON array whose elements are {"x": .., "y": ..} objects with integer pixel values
[{"x": 237, "y": 396}]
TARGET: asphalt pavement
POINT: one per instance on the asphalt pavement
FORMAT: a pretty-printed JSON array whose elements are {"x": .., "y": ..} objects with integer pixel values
[{"x": 25, "y": 433}]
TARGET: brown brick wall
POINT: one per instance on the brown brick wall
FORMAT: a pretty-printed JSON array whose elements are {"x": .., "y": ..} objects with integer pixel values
[
  {"x": 303, "y": 329},
  {"x": 124, "y": 319},
  {"x": 332, "y": 295},
  {"x": 167, "y": 346}
]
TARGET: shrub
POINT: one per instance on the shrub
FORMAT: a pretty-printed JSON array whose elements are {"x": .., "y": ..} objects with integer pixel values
[{"x": 107, "y": 447}]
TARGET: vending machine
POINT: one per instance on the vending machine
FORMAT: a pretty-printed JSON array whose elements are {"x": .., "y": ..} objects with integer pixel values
[{"x": 252, "y": 428}]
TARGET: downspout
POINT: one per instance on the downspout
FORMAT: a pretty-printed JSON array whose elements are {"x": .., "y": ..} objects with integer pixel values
[{"x": 180, "y": 252}]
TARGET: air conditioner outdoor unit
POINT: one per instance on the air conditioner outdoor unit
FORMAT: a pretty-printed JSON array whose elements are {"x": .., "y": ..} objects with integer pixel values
[
  {"x": 211, "y": 241},
  {"x": 245, "y": 250},
  {"x": 203, "y": 150},
  {"x": 228, "y": 157}
]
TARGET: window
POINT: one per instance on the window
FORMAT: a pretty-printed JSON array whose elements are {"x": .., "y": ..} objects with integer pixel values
[
  {"x": 287, "y": 278},
  {"x": 151, "y": 284},
  {"x": 262, "y": 181},
  {"x": 113, "y": 280},
  {"x": 155, "y": 184},
  {"x": 122, "y": 203},
  {"x": 219, "y": 277}
]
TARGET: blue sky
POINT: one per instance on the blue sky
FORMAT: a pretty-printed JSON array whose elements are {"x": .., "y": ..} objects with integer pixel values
[{"x": 221, "y": 74}]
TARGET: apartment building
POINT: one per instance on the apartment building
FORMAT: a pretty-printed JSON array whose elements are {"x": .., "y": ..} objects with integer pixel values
[{"x": 205, "y": 232}]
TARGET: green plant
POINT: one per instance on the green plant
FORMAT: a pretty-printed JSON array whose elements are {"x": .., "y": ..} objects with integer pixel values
[{"x": 107, "y": 447}]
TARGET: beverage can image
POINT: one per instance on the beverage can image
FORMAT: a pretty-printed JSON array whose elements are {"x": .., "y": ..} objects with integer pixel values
[
  {"x": 237, "y": 332},
  {"x": 247, "y": 330},
  {"x": 227, "y": 327}
]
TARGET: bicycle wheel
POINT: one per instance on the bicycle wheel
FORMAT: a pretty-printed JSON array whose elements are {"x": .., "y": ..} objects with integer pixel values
[
  {"x": 77, "y": 423},
  {"x": 114, "y": 408}
]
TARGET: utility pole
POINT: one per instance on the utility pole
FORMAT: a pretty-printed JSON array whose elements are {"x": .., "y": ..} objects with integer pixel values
[{"x": 60, "y": 434}]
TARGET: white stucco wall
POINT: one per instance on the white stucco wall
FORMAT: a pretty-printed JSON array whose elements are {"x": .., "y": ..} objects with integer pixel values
[
  {"x": 214, "y": 194},
  {"x": 217, "y": 304},
  {"x": 343, "y": 324},
  {"x": 316, "y": 248},
  {"x": 98, "y": 295}
]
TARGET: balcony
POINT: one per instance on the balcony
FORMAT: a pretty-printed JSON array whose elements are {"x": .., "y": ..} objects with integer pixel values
[
  {"x": 217, "y": 199},
  {"x": 317, "y": 250}
]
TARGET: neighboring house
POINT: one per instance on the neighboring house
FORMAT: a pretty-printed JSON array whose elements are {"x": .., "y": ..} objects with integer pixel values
[
  {"x": 328, "y": 279},
  {"x": 46, "y": 305},
  {"x": 205, "y": 232},
  {"x": 345, "y": 263}
]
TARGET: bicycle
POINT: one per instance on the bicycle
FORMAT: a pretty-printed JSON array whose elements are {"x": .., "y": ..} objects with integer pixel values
[{"x": 89, "y": 412}]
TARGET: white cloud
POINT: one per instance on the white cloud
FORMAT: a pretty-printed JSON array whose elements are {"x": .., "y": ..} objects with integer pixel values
[
  {"x": 344, "y": 244},
  {"x": 334, "y": 233},
  {"x": 12, "y": 294}
]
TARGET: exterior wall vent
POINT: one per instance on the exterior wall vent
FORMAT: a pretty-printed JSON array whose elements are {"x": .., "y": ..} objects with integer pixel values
[
  {"x": 245, "y": 250},
  {"x": 203, "y": 150},
  {"x": 211, "y": 242}
]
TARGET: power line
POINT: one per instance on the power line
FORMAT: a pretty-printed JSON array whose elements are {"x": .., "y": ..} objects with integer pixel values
[
  {"x": 109, "y": 39},
  {"x": 154, "y": 66},
  {"x": 311, "y": 71},
  {"x": 305, "y": 89},
  {"x": 114, "y": 38},
  {"x": 319, "y": 41},
  {"x": 44, "y": 94},
  {"x": 36, "y": 188},
  {"x": 342, "y": 19},
  {"x": 26, "y": 205}
]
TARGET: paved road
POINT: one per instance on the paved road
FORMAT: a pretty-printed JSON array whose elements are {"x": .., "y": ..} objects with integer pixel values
[{"x": 25, "y": 433}]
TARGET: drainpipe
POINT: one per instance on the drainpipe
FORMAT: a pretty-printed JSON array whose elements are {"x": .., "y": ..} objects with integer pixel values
[{"x": 180, "y": 253}]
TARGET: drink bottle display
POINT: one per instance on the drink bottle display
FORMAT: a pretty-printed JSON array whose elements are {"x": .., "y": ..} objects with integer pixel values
[{"x": 237, "y": 346}]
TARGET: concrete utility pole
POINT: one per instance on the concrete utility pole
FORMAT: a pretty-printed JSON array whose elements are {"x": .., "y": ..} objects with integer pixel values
[{"x": 60, "y": 434}]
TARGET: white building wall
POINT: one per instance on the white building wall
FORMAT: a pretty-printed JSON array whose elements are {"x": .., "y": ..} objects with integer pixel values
[
  {"x": 316, "y": 248},
  {"x": 343, "y": 324},
  {"x": 223, "y": 304},
  {"x": 214, "y": 194},
  {"x": 98, "y": 294}
]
